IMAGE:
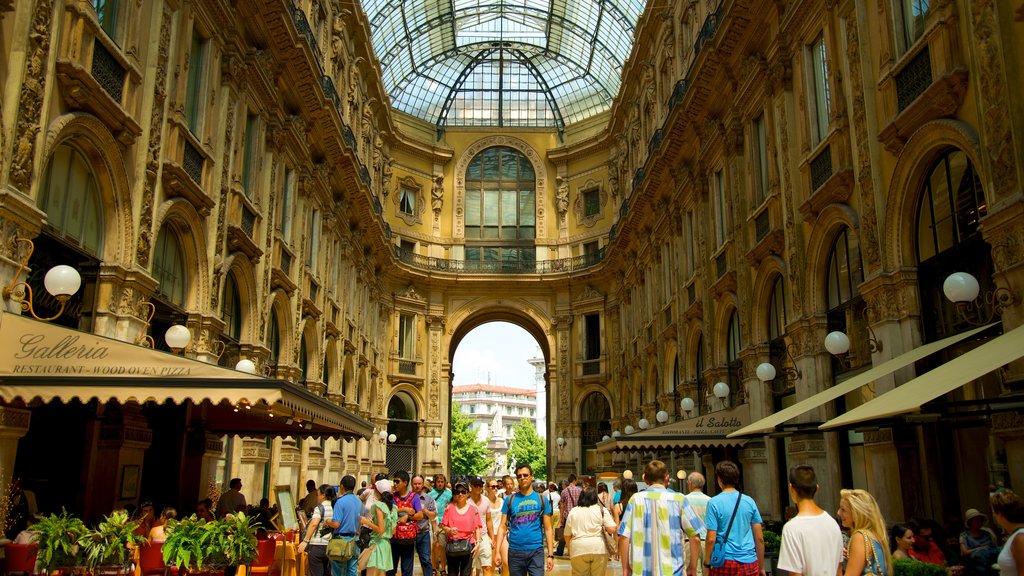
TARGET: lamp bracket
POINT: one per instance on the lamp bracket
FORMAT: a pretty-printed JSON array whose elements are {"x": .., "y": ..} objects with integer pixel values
[{"x": 20, "y": 292}]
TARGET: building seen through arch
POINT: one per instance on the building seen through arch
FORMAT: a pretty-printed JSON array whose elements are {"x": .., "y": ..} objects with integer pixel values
[{"x": 678, "y": 201}]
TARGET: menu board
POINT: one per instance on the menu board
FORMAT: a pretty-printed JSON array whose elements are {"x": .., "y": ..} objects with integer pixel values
[{"x": 286, "y": 507}]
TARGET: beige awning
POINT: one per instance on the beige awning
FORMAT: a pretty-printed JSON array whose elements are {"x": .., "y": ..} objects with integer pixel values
[
  {"x": 942, "y": 380},
  {"x": 702, "y": 431},
  {"x": 43, "y": 362},
  {"x": 769, "y": 423}
]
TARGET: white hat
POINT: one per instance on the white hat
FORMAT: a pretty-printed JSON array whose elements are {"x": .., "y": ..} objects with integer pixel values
[
  {"x": 973, "y": 513},
  {"x": 383, "y": 486}
]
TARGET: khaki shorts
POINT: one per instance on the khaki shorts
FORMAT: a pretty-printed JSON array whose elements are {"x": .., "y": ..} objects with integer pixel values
[{"x": 484, "y": 554}]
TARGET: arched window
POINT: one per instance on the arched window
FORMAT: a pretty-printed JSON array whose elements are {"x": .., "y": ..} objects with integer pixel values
[
  {"x": 71, "y": 200},
  {"x": 403, "y": 424},
  {"x": 169, "y": 267},
  {"x": 777, "y": 337},
  {"x": 701, "y": 393},
  {"x": 846, "y": 308},
  {"x": 951, "y": 206},
  {"x": 735, "y": 365},
  {"x": 274, "y": 338},
  {"x": 501, "y": 219},
  {"x": 231, "y": 309}
]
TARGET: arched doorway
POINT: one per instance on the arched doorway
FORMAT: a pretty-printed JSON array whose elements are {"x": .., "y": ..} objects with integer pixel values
[
  {"x": 499, "y": 376},
  {"x": 403, "y": 425},
  {"x": 595, "y": 424}
]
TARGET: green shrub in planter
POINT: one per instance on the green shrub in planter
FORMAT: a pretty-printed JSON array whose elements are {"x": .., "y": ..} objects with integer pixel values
[
  {"x": 57, "y": 541},
  {"x": 195, "y": 544},
  {"x": 772, "y": 543},
  {"x": 107, "y": 545},
  {"x": 911, "y": 567}
]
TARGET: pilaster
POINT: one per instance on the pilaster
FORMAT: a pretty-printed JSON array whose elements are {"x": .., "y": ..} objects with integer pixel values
[
  {"x": 252, "y": 469},
  {"x": 14, "y": 423}
]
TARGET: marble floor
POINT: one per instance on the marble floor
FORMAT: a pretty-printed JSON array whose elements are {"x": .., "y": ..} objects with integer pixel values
[{"x": 562, "y": 568}]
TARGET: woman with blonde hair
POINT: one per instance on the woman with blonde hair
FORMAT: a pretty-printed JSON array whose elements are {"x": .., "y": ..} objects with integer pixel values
[{"x": 868, "y": 553}]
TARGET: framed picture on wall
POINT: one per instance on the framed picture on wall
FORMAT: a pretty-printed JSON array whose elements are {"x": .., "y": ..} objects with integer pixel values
[{"x": 129, "y": 481}]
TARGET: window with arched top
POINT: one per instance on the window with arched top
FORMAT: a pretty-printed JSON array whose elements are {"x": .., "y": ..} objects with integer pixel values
[
  {"x": 274, "y": 338},
  {"x": 700, "y": 397},
  {"x": 169, "y": 267},
  {"x": 734, "y": 364},
  {"x": 950, "y": 209},
  {"x": 777, "y": 337},
  {"x": 501, "y": 211},
  {"x": 231, "y": 314},
  {"x": 846, "y": 308},
  {"x": 70, "y": 197},
  {"x": 595, "y": 424}
]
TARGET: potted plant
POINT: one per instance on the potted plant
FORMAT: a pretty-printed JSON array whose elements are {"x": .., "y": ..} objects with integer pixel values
[
  {"x": 911, "y": 567},
  {"x": 107, "y": 548},
  {"x": 204, "y": 547},
  {"x": 186, "y": 545},
  {"x": 57, "y": 542},
  {"x": 772, "y": 544},
  {"x": 239, "y": 546}
]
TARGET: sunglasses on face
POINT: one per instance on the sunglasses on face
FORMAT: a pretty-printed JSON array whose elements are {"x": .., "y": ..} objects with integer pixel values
[
  {"x": 461, "y": 492},
  {"x": 522, "y": 475},
  {"x": 493, "y": 486}
]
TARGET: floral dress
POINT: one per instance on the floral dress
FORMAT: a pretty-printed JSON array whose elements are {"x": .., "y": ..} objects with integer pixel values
[{"x": 380, "y": 556}]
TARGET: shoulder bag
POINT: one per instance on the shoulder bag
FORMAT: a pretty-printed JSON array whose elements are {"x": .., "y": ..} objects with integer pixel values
[
  {"x": 871, "y": 566},
  {"x": 718, "y": 552}
]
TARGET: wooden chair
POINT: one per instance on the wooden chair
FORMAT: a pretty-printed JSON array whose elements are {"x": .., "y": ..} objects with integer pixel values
[{"x": 21, "y": 558}]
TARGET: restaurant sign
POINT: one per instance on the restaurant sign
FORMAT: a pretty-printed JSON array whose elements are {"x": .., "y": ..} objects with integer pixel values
[
  {"x": 714, "y": 424},
  {"x": 32, "y": 348}
]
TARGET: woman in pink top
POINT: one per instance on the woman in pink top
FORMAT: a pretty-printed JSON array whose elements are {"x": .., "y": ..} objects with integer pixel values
[{"x": 461, "y": 522}]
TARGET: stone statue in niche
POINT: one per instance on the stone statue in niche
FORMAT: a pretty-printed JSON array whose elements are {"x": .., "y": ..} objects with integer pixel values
[
  {"x": 437, "y": 193},
  {"x": 562, "y": 196}
]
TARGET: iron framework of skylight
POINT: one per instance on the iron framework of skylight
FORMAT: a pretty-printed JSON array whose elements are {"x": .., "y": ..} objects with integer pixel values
[{"x": 503, "y": 63}]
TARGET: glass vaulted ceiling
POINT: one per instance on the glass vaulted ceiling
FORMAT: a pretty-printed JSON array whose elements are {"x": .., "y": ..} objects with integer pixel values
[{"x": 502, "y": 62}]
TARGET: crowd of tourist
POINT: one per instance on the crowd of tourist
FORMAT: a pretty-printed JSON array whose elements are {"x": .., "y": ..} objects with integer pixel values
[{"x": 517, "y": 526}]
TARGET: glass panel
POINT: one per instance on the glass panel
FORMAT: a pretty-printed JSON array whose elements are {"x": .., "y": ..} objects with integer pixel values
[
  {"x": 193, "y": 96},
  {"x": 527, "y": 208},
  {"x": 566, "y": 61},
  {"x": 106, "y": 13},
  {"x": 821, "y": 97},
  {"x": 491, "y": 254},
  {"x": 942, "y": 211},
  {"x": 915, "y": 12},
  {"x": 491, "y": 207},
  {"x": 71, "y": 200},
  {"x": 169, "y": 267},
  {"x": 508, "y": 208},
  {"x": 472, "y": 207}
]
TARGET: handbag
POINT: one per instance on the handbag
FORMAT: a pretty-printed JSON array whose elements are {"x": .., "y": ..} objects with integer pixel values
[
  {"x": 405, "y": 533},
  {"x": 459, "y": 548},
  {"x": 609, "y": 540},
  {"x": 718, "y": 552},
  {"x": 341, "y": 549},
  {"x": 364, "y": 557}
]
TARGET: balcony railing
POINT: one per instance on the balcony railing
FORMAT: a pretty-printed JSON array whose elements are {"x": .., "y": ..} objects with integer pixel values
[
  {"x": 913, "y": 79},
  {"x": 107, "y": 71},
  {"x": 192, "y": 163},
  {"x": 591, "y": 367},
  {"x": 303, "y": 28},
  {"x": 248, "y": 221},
  {"x": 821, "y": 168},
  {"x": 407, "y": 367},
  {"x": 573, "y": 264},
  {"x": 707, "y": 31}
]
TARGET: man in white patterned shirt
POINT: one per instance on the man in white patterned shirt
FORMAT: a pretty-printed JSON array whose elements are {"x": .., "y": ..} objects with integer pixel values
[{"x": 652, "y": 527}]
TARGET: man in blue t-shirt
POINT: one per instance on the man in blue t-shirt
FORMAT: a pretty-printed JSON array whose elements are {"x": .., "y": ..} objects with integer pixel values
[
  {"x": 744, "y": 542},
  {"x": 347, "y": 509},
  {"x": 526, "y": 519}
]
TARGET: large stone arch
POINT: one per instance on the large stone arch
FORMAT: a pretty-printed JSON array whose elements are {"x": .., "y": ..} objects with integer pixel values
[
  {"x": 91, "y": 137},
  {"x": 669, "y": 363},
  {"x": 694, "y": 333},
  {"x": 411, "y": 392},
  {"x": 332, "y": 380},
  {"x": 727, "y": 304},
  {"x": 587, "y": 391},
  {"x": 912, "y": 167},
  {"x": 539, "y": 168},
  {"x": 279, "y": 303},
  {"x": 819, "y": 245},
  {"x": 181, "y": 218}
]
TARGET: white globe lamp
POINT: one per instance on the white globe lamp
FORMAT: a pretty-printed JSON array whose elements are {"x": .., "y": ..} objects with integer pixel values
[
  {"x": 644, "y": 424},
  {"x": 958, "y": 287},
  {"x": 721, "y": 390},
  {"x": 766, "y": 372},
  {"x": 246, "y": 365},
  {"x": 62, "y": 282},
  {"x": 837, "y": 343},
  {"x": 630, "y": 429},
  {"x": 661, "y": 416},
  {"x": 177, "y": 337}
]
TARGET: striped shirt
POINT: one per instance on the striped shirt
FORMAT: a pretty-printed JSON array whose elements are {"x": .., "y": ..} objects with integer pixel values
[{"x": 654, "y": 523}]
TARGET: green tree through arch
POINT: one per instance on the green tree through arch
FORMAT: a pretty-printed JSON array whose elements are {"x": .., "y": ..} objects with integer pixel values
[
  {"x": 528, "y": 448},
  {"x": 469, "y": 453}
]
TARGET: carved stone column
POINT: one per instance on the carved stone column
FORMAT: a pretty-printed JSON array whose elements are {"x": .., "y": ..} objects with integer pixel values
[
  {"x": 560, "y": 463},
  {"x": 252, "y": 469},
  {"x": 120, "y": 294},
  {"x": 14, "y": 423},
  {"x": 882, "y": 464},
  {"x": 1002, "y": 230},
  {"x": 757, "y": 477},
  {"x": 818, "y": 451}
]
